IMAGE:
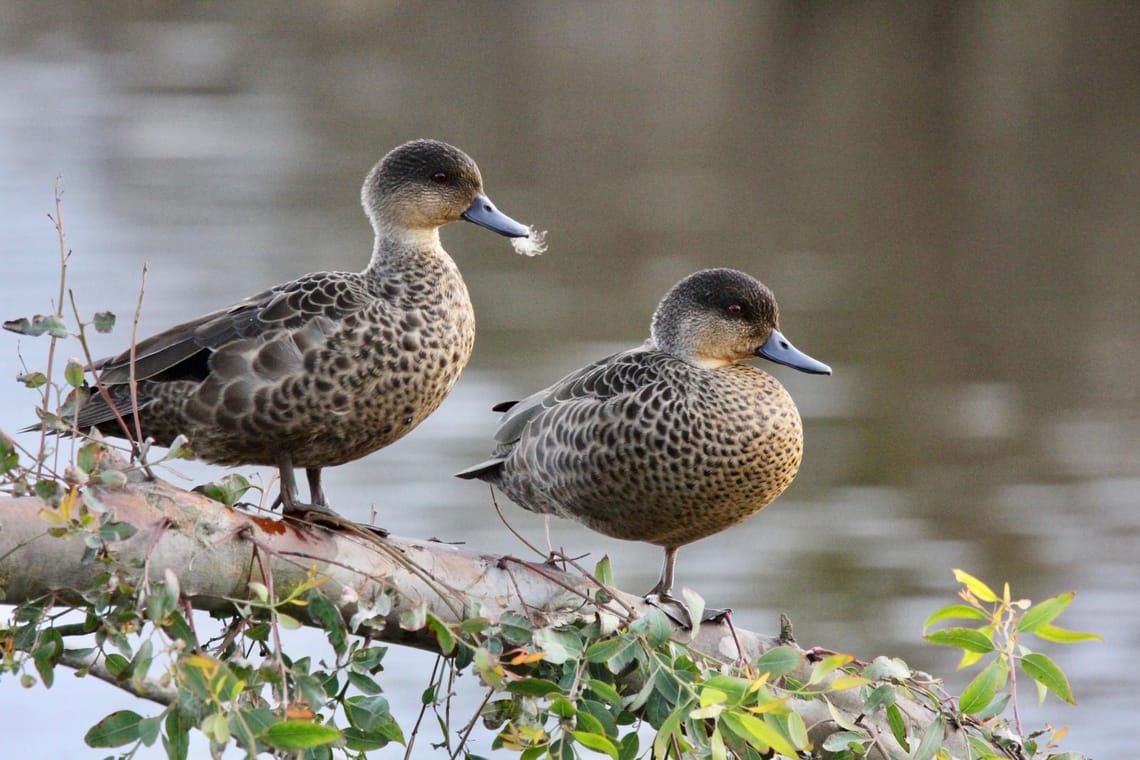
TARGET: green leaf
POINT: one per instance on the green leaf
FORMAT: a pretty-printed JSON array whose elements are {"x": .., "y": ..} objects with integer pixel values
[
  {"x": 963, "y": 638},
  {"x": 841, "y": 740},
  {"x": 603, "y": 572},
  {"x": 897, "y": 723},
  {"x": 887, "y": 667},
  {"x": 516, "y": 629},
  {"x": 363, "y": 682},
  {"x": 442, "y": 633},
  {"x": 604, "y": 692},
  {"x": 931, "y": 740},
  {"x": 228, "y": 490},
  {"x": 654, "y": 626},
  {"x": 980, "y": 692},
  {"x": 294, "y": 735},
  {"x": 32, "y": 379},
  {"x": 1045, "y": 672},
  {"x": 975, "y": 586},
  {"x": 104, "y": 321},
  {"x": 415, "y": 618},
  {"x": 879, "y": 696},
  {"x": 596, "y": 742},
  {"x": 779, "y": 661},
  {"x": 1044, "y": 612},
  {"x": 954, "y": 611},
  {"x": 559, "y": 645},
  {"x": 176, "y": 740},
  {"x": 601, "y": 651},
  {"x": 73, "y": 373},
  {"x": 1063, "y": 635},
  {"x": 327, "y": 614},
  {"x": 117, "y": 729},
  {"x": 533, "y": 687},
  {"x": 149, "y": 729},
  {"x": 366, "y": 713}
]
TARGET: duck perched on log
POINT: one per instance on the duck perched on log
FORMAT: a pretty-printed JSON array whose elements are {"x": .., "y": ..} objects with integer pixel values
[
  {"x": 669, "y": 442},
  {"x": 333, "y": 365}
]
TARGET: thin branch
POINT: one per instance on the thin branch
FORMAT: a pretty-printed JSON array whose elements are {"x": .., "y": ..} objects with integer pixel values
[{"x": 94, "y": 664}]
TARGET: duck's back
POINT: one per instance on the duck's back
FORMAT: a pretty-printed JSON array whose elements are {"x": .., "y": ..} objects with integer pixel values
[{"x": 644, "y": 446}]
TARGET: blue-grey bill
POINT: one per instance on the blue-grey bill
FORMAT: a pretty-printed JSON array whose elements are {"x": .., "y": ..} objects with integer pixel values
[
  {"x": 780, "y": 350},
  {"x": 483, "y": 213}
]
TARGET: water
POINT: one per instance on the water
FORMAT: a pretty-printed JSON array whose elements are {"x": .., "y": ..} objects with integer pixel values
[{"x": 943, "y": 199}]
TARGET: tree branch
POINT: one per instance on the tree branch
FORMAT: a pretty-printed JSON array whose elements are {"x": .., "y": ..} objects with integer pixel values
[{"x": 216, "y": 551}]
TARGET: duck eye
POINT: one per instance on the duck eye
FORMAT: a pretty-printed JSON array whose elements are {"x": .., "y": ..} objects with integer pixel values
[
  {"x": 439, "y": 178},
  {"x": 734, "y": 309}
]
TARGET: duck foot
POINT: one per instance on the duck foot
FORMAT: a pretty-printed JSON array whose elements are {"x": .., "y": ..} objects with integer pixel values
[{"x": 679, "y": 612}]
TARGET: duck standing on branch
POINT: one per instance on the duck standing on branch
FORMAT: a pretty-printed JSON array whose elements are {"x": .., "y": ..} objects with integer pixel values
[
  {"x": 329, "y": 367},
  {"x": 669, "y": 442}
]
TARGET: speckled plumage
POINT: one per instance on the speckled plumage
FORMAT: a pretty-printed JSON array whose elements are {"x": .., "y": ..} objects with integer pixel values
[
  {"x": 669, "y": 442},
  {"x": 329, "y": 367}
]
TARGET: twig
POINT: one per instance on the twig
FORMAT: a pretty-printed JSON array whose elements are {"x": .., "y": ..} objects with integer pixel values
[
  {"x": 515, "y": 533},
  {"x": 134, "y": 379},
  {"x": 94, "y": 664},
  {"x": 423, "y": 711},
  {"x": 466, "y": 732}
]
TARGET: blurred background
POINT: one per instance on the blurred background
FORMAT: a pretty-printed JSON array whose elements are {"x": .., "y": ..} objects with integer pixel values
[{"x": 944, "y": 198}]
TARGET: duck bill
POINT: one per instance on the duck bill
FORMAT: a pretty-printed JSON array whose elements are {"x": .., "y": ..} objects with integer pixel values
[
  {"x": 780, "y": 350},
  {"x": 483, "y": 213}
]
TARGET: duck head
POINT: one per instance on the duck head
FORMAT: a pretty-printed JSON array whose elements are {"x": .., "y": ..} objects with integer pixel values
[
  {"x": 717, "y": 317},
  {"x": 425, "y": 184}
]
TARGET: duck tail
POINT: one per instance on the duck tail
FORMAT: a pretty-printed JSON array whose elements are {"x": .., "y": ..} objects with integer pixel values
[{"x": 486, "y": 471}]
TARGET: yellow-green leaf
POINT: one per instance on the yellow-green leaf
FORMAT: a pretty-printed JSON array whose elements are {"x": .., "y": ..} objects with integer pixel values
[
  {"x": 963, "y": 638},
  {"x": 825, "y": 666},
  {"x": 975, "y": 586},
  {"x": 669, "y": 726},
  {"x": 295, "y": 735},
  {"x": 1044, "y": 612},
  {"x": 847, "y": 682},
  {"x": 1063, "y": 635},
  {"x": 954, "y": 611},
  {"x": 711, "y": 696},
  {"x": 758, "y": 733},
  {"x": 596, "y": 742}
]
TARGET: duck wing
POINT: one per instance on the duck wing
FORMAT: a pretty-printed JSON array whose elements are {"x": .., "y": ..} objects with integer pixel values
[
  {"x": 183, "y": 352},
  {"x": 616, "y": 376}
]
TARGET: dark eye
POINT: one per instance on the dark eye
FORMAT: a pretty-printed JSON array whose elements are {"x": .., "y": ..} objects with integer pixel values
[
  {"x": 439, "y": 178},
  {"x": 734, "y": 309}
]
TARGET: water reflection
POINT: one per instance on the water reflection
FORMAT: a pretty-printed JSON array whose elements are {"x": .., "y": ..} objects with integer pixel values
[{"x": 942, "y": 197}]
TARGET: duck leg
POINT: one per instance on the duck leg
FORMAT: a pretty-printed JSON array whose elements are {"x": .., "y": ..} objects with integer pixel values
[
  {"x": 316, "y": 493},
  {"x": 661, "y": 598},
  {"x": 291, "y": 505}
]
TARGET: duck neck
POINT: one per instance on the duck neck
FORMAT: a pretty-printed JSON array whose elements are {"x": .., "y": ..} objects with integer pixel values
[{"x": 395, "y": 247}]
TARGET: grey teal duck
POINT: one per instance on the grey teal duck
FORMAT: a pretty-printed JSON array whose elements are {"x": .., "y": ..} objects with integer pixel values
[
  {"x": 331, "y": 366},
  {"x": 669, "y": 442}
]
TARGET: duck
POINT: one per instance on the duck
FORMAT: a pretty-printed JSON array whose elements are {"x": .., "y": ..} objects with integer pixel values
[
  {"x": 331, "y": 366},
  {"x": 669, "y": 442}
]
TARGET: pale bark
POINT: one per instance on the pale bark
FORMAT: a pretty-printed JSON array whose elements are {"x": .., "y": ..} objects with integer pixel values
[{"x": 216, "y": 551}]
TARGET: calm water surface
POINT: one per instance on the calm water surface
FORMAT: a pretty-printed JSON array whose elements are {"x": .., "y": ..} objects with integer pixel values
[{"x": 945, "y": 203}]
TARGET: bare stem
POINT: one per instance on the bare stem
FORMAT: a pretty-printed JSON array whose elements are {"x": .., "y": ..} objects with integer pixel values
[{"x": 134, "y": 380}]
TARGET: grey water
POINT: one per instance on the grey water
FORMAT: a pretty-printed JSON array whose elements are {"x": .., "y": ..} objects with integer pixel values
[{"x": 944, "y": 198}]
